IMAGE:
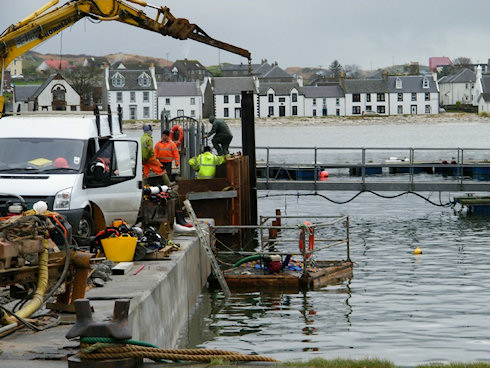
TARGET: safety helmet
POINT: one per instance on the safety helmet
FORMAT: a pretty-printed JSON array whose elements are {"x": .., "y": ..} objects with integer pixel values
[{"x": 147, "y": 128}]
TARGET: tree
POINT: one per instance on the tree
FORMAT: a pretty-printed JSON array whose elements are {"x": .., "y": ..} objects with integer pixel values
[
  {"x": 352, "y": 71},
  {"x": 84, "y": 80},
  {"x": 335, "y": 69},
  {"x": 460, "y": 63}
]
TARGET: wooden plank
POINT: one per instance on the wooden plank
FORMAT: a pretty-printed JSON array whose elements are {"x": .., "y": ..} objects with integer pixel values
[
  {"x": 161, "y": 254},
  {"x": 122, "y": 268}
]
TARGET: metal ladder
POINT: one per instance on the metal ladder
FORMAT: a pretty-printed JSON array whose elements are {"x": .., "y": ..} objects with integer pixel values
[{"x": 204, "y": 240}]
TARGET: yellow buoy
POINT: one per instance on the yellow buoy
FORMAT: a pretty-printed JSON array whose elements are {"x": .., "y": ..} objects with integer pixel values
[{"x": 417, "y": 251}]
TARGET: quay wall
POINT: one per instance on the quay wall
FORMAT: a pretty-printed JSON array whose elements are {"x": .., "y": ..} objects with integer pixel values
[{"x": 164, "y": 294}]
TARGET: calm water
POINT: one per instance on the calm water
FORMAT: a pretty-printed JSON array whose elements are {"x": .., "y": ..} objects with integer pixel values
[{"x": 398, "y": 306}]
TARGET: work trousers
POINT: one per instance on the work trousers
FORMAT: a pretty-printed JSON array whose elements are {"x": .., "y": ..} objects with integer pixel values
[{"x": 221, "y": 144}]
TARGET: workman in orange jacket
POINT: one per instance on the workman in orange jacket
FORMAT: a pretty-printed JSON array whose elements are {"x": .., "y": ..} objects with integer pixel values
[{"x": 166, "y": 151}]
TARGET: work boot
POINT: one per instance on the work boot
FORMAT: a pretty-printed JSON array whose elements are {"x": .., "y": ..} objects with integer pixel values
[
  {"x": 167, "y": 181},
  {"x": 180, "y": 219}
]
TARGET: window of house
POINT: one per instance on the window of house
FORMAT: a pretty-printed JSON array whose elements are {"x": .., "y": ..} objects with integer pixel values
[
  {"x": 132, "y": 96},
  {"x": 271, "y": 97},
  {"x": 146, "y": 96},
  {"x": 425, "y": 83},
  {"x": 282, "y": 99},
  {"x": 380, "y": 109},
  {"x": 400, "y": 109},
  {"x": 146, "y": 112},
  {"x": 73, "y": 108},
  {"x": 398, "y": 83},
  {"x": 414, "y": 96},
  {"x": 427, "y": 109},
  {"x": 337, "y": 101},
  {"x": 314, "y": 112},
  {"x": 226, "y": 113},
  {"x": 58, "y": 93},
  {"x": 118, "y": 80},
  {"x": 369, "y": 108},
  {"x": 427, "y": 96},
  {"x": 368, "y": 97},
  {"x": 167, "y": 101},
  {"x": 180, "y": 112},
  {"x": 314, "y": 102},
  {"x": 400, "y": 97},
  {"x": 356, "y": 110},
  {"x": 380, "y": 97},
  {"x": 225, "y": 99},
  {"x": 295, "y": 110},
  {"x": 144, "y": 80},
  {"x": 356, "y": 97},
  {"x": 119, "y": 97},
  {"x": 271, "y": 110},
  {"x": 193, "y": 100},
  {"x": 324, "y": 101},
  {"x": 294, "y": 97},
  {"x": 193, "y": 113},
  {"x": 237, "y": 98}
]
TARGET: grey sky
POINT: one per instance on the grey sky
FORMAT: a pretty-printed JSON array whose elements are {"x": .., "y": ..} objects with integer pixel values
[{"x": 370, "y": 33}]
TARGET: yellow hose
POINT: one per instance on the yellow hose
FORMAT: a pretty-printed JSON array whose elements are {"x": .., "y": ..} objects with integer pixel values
[{"x": 42, "y": 284}]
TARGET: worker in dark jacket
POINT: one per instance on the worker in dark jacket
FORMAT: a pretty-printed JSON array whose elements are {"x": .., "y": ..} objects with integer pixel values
[{"x": 222, "y": 136}]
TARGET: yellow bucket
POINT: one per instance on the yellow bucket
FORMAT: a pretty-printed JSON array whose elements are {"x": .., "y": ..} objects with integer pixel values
[{"x": 119, "y": 248}]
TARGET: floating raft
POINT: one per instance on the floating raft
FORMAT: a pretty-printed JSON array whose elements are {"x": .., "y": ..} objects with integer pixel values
[{"x": 246, "y": 278}]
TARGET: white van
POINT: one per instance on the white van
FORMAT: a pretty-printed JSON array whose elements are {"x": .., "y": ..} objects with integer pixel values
[{"x": 81, "y": 165}]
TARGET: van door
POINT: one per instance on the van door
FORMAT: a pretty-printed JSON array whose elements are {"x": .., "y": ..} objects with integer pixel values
[{"x": 111, "y": 181}]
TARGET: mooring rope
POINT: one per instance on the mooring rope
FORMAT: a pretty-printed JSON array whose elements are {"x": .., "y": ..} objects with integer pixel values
[{"x": 111, "y": 349}]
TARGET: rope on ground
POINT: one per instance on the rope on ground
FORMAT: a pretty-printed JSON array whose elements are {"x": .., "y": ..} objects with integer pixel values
[{"x": 134, "y": 351}]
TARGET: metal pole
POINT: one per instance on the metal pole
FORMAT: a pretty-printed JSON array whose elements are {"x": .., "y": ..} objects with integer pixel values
[
  {"x": 348, "y": 238},
  {"x": 267, "y": 169},
  {"x": 248, "y": 144},
  {"x": 363, "y": 168}
]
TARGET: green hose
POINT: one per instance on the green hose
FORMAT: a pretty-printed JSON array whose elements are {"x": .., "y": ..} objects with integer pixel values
[
  {"x": 247, "y": 259},
  {"x": 110, "y": 340}
]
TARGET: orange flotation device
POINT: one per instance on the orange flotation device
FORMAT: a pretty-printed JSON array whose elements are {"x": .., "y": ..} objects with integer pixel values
[
  {"x": 180, "y": 139},
  {"x": 311, "y": 238}
]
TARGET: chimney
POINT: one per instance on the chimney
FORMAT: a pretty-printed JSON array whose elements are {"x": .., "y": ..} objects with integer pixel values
[
  {"x": 385, "y": 75},
  {"x": 153, "y": 76},
  {"x": 299, "y": 79}
]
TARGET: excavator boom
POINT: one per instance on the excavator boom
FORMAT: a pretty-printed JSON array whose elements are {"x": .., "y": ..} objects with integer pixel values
[{"x": 45, "y": 23}]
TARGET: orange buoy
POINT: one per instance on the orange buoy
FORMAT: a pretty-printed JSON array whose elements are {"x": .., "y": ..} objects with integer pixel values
[{"x": 323, "y": 175}]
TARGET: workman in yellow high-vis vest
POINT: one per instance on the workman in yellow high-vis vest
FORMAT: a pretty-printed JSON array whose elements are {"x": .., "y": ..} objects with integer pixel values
[{"x": 205, "y": 163}]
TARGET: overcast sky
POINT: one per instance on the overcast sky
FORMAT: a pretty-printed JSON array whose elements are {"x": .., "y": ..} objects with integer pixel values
[{"x": 369, "y": 33}]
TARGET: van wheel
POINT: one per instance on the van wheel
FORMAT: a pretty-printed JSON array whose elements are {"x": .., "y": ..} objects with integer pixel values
[{"x": 85, "y": 228}]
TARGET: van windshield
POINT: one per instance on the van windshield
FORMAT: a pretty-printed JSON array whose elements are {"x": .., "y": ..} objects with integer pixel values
[{"x": 44, "y": 155}]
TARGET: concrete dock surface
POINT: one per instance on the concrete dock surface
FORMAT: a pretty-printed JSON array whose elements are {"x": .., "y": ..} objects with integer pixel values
[{"x": 163, "y": 297}]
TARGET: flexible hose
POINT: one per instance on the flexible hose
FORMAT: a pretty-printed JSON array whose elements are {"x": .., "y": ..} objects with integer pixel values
[
  {"x": 251, "y": 258},
  {"x": 42, "y": 284}
]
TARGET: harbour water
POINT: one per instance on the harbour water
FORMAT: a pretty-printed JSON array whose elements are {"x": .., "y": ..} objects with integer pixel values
[{"x": 407, "y": 308}]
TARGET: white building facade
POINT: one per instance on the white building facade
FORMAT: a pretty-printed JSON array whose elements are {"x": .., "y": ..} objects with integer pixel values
[
  {"x": 413, "y": 95},
  {"x": 324, "y": 101},
  {"x": 180, "y": 99},
  {"x": 227, "y": 96},
  {"x": 134, "y": 90},
  {"x": 457, "y": 88},
  {"x": 281, "y": 99}
]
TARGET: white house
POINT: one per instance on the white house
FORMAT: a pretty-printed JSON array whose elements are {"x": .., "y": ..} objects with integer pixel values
[
  {"x": 482, "y": 91},
  {"x": 180, "y": 99},
  {"x": 457, "y": 87},
  {"x": 55, "y": 94},
  {"x": 413, "y": 94},
  {"x": 325, "y": 100},
  {"x": 15, "y": 68},
  {"x": 363, "y": 95},
  {"x": 281, "y": 99},
  {"x": 227, "y": 95},
  {"x": 134, "y": 90}
]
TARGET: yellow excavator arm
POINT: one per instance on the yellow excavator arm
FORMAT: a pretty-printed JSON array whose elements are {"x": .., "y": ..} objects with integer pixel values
[{"x": 43, "y": 24}]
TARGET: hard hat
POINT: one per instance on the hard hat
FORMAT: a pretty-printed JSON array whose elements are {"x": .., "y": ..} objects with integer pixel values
[
  {"x": 61, "y": 162},
  {"x": 147, "y": 128}
]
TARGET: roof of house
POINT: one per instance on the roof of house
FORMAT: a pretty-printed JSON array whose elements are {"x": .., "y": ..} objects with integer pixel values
[
  {"x": 233, "y": 85},
  {"x": 130, "y": 80},
  {"x": 189, "y": 64},
  {"x": 463, "y": 76},
  {"x": 485, "y": 82},
  {"x": 365, "y": 86},
  {"x": 280, "y": 88},
  {"x": 237, "y": 67},
  {"x": 485, "y": 97},
  {"x": 323, "y": 91},
  {"x": 275, "y": 73},
  {"x": 48, "y": 80},
  {"x": 57, "y": 64},
  {"x": 411, "y": 83},
  {"x": 172, "y": 89},
  {"x": 436, "y": 61},
  {"x": 25, "y": 93},
  {"x": 262, "y": 69}
]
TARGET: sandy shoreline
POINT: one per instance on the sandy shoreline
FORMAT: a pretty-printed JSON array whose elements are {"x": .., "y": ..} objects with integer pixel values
[{"x": 348, "y": 120}]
